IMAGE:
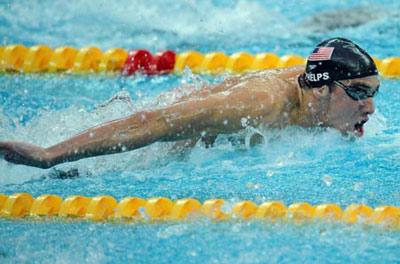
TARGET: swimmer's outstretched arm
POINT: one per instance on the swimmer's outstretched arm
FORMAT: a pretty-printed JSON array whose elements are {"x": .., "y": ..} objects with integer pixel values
[{"x": 216, "y": 113}]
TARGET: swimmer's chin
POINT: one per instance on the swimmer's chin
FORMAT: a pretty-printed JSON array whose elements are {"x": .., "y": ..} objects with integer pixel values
[{"x": 358, "y": 130}]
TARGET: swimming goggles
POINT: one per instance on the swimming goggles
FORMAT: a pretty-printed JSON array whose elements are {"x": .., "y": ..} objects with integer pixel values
[{"x": 358, "y": 92}]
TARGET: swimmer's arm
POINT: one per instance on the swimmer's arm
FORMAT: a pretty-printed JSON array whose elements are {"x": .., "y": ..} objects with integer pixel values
[{"x": 217, "y": 113}]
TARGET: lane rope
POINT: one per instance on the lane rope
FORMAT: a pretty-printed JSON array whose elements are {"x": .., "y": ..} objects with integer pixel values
[
  {"x": 41, "y": 58},
  {"x": 107, "y": 208}
]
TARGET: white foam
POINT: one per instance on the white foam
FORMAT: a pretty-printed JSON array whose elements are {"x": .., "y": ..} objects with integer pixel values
[{"x": 144, "y": 24}]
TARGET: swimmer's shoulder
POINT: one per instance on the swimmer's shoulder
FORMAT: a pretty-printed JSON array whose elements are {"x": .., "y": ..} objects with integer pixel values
[
  {"x": 285, "y": 73},
  {"x": 266, "y": 80},
  {"x": 273, "y": 74},
  {"x": 281, "y": 78}
]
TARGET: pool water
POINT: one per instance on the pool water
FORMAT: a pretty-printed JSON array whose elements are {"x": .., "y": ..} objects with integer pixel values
[{"x": 293, "y": 165}]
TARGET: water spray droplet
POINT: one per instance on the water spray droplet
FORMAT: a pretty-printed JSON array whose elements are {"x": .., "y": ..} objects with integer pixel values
[
  {"x": 358, "y": 186},
  {"x": 243, "y": 121},
  {"x": 327, "y": 180},
  {"x": 143, "y": 117}
]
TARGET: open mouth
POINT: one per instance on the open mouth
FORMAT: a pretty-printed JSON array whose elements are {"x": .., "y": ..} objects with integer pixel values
[{"x": 359, "y": 128}]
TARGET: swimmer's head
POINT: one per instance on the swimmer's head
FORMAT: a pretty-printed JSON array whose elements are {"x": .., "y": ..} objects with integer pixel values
[
  {"x": 343, "y": 79},
  {"x": 337, "y": 59}
]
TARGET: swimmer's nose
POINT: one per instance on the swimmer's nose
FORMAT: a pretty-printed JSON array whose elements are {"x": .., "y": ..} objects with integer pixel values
[{"x": 368, "y": 106}]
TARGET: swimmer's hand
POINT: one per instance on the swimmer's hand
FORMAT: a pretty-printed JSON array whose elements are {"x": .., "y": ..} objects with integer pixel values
[{"x": 24, "y": 153}]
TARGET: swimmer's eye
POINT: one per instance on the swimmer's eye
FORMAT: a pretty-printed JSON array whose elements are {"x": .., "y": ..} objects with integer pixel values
[
  {"x": 363, "y": 90},
  {"x": 358, "y": 91},
  {"x": 364, "y": 87}
]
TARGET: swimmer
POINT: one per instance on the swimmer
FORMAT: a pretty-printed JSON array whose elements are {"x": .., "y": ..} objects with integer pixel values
[{"x": 334, "y": 90}]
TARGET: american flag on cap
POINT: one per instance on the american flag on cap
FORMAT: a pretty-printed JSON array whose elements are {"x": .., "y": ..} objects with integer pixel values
[{"x": 321, "y": 54}]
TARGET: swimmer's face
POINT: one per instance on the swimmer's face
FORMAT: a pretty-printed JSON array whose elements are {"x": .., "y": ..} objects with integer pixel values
[{"x": 348, "y": 114}]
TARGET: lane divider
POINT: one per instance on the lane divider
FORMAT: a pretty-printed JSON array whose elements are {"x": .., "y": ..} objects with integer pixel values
[
  {"x": 41, "y": 58},
  {"x": 107, "y": 208}
]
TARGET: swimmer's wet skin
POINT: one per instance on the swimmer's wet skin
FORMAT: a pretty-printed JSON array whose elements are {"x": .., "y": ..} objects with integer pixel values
[{"x": 334, "y": 90}]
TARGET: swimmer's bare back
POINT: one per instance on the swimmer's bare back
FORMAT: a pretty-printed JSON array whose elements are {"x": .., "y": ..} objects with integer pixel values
[{"x": 268, "y": 97}]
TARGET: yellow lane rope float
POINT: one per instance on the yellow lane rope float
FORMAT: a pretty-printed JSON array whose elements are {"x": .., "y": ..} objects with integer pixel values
[
  {"x": 107, "y": 208},
  {"x": 41, "y": 58}
]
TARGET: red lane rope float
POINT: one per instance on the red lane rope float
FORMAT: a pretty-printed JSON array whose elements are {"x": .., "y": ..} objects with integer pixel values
[
  {"x": 40, "y": 58},
  {"x": 144, "y": 62}
]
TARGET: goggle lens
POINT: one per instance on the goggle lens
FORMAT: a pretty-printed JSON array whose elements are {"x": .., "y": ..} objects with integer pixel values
[{"x": 358, "y": 92}]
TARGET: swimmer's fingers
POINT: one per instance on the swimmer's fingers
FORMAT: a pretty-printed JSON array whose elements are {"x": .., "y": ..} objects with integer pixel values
[
  {"x": 23, "y": 153},
  {"x": 4, "y": 149},
  {"x": 8, "y": 152}
]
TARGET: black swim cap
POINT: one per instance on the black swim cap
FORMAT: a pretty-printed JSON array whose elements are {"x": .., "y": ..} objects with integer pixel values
[{"x": 337, "y": 59}]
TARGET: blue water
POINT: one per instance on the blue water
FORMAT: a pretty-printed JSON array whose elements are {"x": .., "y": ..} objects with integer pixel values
[{"x": 293, "y": 165}]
